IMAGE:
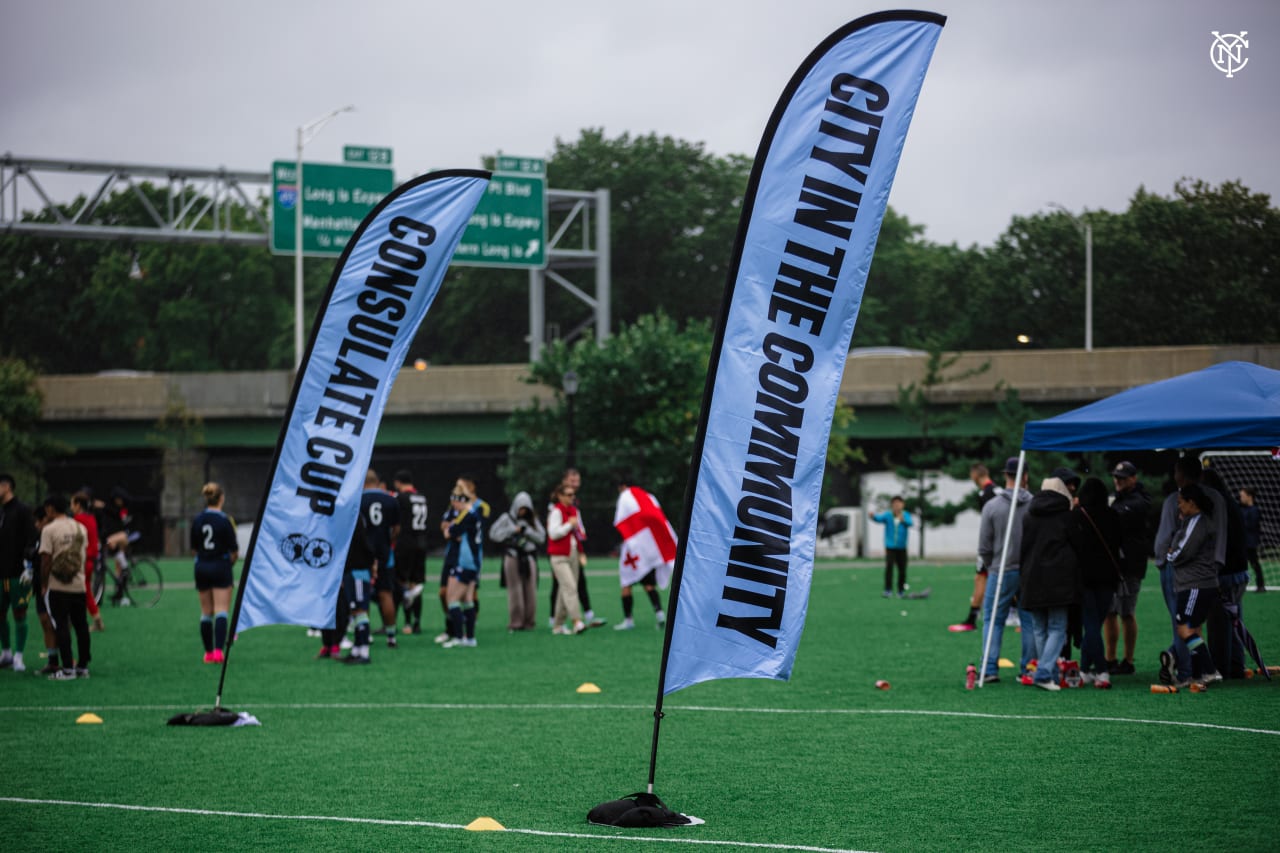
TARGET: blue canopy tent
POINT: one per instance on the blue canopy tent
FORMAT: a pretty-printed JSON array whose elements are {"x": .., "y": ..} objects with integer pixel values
[{"x": 1228, "y": 405}]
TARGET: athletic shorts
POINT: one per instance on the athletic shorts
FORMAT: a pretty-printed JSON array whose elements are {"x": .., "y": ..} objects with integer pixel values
[
  {"x": 386, "y": 581},
  {"x": 465, "y": 576},
  {"x": 1126, "y": 599},
  {"x": 213, "y": 575},
  {"x": 14, "y": 593},
  {"x": 444, "y": 576},
  {"x": 650, "y": 579},
  {"x": 1194, "y": 606},
  {"x": 411, "y": 566},
  {"x": 359, "y": 587}
]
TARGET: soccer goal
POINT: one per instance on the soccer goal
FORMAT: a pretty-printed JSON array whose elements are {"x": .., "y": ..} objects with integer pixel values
[{"x": 1260, "y": 471}]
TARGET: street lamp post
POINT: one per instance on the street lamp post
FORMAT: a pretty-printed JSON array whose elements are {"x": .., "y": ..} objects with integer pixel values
[
  {"x": 306, "y": 133},
  {"x": 1087, "y": 230},
  {"x": 569, "y": 381}
]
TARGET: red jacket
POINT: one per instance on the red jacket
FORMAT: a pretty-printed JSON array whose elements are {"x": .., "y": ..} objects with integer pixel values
[{"x": 561, "y": 547}]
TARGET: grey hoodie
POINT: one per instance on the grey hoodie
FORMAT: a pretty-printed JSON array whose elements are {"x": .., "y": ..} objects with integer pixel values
[
  {"x": 516, "y": 533},
  {"x": 995, "y": 518}
]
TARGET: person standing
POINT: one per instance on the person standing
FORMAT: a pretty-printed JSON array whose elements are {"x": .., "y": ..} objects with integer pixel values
[
  {"x": 411, "y": 548},
  {"x": 1252, "y": 517},
  {"x": 1195, "y": 583},
  {"x": 520, "y": 535},
  {"x": 359, "y": 576},
  {"x": 63, "y": 543},
  {"x": 1131, "y": 505},
  {"x": 82, "y": 511},
  {"x": 213, "y": 539},
  {"x": 381, "y": 513},
  {"x": 1050, "y": 570},
  {"x": 981, "y": 477},
  {"x": 563, "y": 526},
  {"x": 1014, "y": 498},
  {"x": 572, "y": 478},
  {"x": 1099, "y": 576},
  {"x": 17, "y": 537},
  {"x": 896, "y": 521},
  {"x": 648, "y": 552},
  {"x": 466, "y": 542}
]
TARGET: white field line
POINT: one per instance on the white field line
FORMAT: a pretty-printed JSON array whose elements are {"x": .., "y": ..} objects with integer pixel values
[
  {"x": 452, "y": 706},
  {"x": 427, "y": 824}
]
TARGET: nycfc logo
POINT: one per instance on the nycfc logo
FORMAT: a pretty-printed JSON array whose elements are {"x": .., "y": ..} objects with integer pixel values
[
  {"x": 1227, "y": 52},
  {"x": 296, "y": 548}
]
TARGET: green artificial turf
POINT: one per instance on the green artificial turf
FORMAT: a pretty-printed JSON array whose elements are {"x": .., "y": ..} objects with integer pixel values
[{"x": 430, "y": 735}]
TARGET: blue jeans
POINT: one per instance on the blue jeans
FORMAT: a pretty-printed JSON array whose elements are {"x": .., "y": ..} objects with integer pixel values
[
  {"x": 1049, "y": 630},
  {"x": 1094, "y": 604},
  {"x": 993, "y": 625},
  {"x": 1178, "y": 648}
]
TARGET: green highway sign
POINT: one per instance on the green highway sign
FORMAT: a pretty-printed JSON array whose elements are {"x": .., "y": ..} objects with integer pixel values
[
  {"x": 336, "y": 200},
  {"x": 509, "y": 227},
  {"x": 365, "y": 154}
]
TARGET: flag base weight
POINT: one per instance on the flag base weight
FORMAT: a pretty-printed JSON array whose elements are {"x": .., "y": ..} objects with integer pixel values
[
  {"x": 215, "y": 717},
  {"x": 639, "y": 810}
]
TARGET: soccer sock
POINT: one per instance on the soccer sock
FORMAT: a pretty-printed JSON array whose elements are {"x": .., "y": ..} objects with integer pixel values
[
  {"x": 206, "y": 633},
  {"x": 469, "y": 618},
  {"x": 20, "y": 642},
  {"x": 654, "y": 599},
  {"x": 628, "y": 606},
  {"x": 6, "y": 637},
  {"x": 220, "y": 630},
  {"x": 52, "y": 656},
  {"x": 362, "y": 630},
  {"x": 455, "y": 621}
]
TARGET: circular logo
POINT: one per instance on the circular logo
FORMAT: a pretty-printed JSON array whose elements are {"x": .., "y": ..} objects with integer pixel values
[
  {"x": 318, "y": 553},
  {"x": 1227, "y": 52},
  {"x": 293, "y": 546}
]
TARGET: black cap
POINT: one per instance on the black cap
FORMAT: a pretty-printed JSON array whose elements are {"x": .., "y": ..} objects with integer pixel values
[
  {"x": 1070, "y": 478},
  {"x": 1124, "y": 469},
  {"x": 1011, "y": 465}
]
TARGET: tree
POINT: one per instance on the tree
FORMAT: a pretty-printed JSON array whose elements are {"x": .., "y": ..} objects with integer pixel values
[
  {"x": 636, "y": 409},
  {"x": 934, "y": 453},
  {"x": 23, "y": 450}
]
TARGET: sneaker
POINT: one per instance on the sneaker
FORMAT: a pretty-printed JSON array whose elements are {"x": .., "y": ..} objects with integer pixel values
[
  {"x": 442, "y": 637},
  {"x": 469, "y": 642},
  {"x": 1102, "y": 681},
  {"x": 1123, "y": 667},
  {"x": 346, "y": 644},
  {"x": 208, "y": 657},
  {"x": 1012, "y": 620},
  {"x": 660, "y": 618},
  {"x": 991, "y": 679},
  {"x": 453, "y": 643},
  {"x": 18, "y": 665},
  {"x": 357, "y": 659},
  {"x": 579, "y": 627},
  {"x": 1183, "y": 683},
  {"x": 82, "y": 672},
  {"x": 886, "y": 594},
  {"x": 1025, "y": 680},
  {"x": 1051, "y": 686},
  {"x": 560, "y": 630},
  {"x": 335, "y": 652},
  {"x": 218, "y": 656},
  {"x": 596, "y": 622},
  {"x": 1168, "y": 668},
  {"x": 6, "y": 659},
  {"x": 625, "y": 625},
  {"x": 49, "y": 669},
  {"x": 1211, "y": 677},
  {"x": 1088, "y": 678},
  {"x": 63, "y": 675},
  {"x": 324, "y": 652},
  {"x": 391, "y": 643}
]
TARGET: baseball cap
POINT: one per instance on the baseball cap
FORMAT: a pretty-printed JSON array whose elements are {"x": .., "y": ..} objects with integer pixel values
[
  {"x": 1124, "y": 469},
  {"x": 1067, "y": 476},
  {"x": 1011, "y": 465}
]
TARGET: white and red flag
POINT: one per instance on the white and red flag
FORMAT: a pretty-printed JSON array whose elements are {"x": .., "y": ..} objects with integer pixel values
[{"x": 648, "y": 539}]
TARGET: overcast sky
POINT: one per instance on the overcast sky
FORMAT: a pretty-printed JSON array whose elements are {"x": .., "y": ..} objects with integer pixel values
[{"x": 1026, "y": 102}]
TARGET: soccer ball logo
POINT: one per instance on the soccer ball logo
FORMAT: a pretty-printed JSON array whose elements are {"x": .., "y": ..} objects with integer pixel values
[
  {"x": 293, "y": 546},
  {"x": 297, "y": 548},
  {"x": 318, "y": 553}
]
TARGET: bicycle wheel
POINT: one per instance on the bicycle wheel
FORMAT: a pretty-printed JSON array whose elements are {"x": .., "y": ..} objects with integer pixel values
[{"x": 145, "y": 582}]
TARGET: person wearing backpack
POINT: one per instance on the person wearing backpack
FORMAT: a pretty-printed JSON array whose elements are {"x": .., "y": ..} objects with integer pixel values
[{"x": 63, "y": 545}]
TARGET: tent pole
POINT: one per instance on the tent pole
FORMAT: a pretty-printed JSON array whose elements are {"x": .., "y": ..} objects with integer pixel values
[{"x": 1004, "y": 559}]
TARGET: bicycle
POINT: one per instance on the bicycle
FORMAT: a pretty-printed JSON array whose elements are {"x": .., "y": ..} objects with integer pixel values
[{"x": 140, "y": 583}]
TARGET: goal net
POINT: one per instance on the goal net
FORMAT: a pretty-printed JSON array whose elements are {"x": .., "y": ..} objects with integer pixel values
[{"x": 1260, "y": 471}]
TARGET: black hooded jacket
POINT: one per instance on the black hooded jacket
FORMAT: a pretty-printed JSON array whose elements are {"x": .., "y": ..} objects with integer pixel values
[{"x": 1051, "y": 542}]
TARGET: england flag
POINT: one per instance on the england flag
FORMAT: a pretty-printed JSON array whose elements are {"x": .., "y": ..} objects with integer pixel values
[{"x": 649, "y": 540}]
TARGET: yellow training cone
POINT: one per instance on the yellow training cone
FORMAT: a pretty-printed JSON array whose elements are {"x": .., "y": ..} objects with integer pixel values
[
  {"x": 485, "y": 824},
  {"x": 1005, "y": 663},
  {"x": 588, "y": 688},
  {"x": 88, "y": 718}
]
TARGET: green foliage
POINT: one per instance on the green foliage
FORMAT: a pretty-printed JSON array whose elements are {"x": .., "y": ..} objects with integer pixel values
[
  {"x": 23, "y": 450},
  {"x": 636, "y": 410}
]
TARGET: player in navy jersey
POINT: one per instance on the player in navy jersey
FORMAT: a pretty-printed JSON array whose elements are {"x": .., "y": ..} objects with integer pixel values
[
  {"x": 213, "y": 538},
  {"x": 381, "y": 515},
  {"x": 465, "y": 534},
  {"x": 411, "y": 549}
]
